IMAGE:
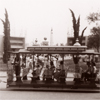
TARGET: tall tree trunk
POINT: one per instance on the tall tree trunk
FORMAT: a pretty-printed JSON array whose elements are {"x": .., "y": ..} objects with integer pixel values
[
  {"x": 77, "y": 68},
  {"x": 5, "y": 50}
]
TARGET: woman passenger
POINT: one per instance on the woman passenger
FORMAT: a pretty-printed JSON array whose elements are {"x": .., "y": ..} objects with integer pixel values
[{"x": 36, "y": 72}]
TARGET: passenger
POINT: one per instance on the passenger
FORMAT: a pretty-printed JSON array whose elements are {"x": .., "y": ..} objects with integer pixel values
[
  {"x": 36, "y": 72},
  {"x": 57, "y": 63},
  {"x": 87, "y": 74},
  {"x": 45, "y": 73},
  {"x": 31, "y": 63},
  {"x": 17, "y": 67},
  {"x": 57, "y": 74},
  {"x": 94, "y": 69},
  {"x": 59, "y": 70},
  {"x": 23, "y": 64},
  {"x": 61, "y": 65},
  {"x": 13, "y": 60},
  {"x": 51, "y": 71},
  {"x": 52, "y": 67},
  {"x": 62, "y": 74},
  {"x": 26, "y": 67},
  {"x": 48, "y": 73}
]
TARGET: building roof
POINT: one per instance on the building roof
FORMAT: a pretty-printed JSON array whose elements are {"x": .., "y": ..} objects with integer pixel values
[{"x": 16, "y": 46}]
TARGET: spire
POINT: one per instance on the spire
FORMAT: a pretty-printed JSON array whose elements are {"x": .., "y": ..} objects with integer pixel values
[{"x": 51, "y": 37}]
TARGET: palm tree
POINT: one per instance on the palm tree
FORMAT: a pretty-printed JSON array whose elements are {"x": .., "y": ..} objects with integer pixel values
[
  {"x": 76, "y": 26},
  {"x": 6, "y": 24}
]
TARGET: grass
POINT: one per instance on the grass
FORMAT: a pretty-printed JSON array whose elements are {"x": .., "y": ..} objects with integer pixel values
[
  {"x": 83, "y": 65},
  {"x": 70, "y": 63}
]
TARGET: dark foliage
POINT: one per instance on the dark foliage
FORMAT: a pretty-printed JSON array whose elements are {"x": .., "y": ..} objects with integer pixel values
[
  {"x": 76, "y": 26},
  {"x": 93, "y": 17},
  {"x": 6, "y": 24},
  {"x": 94, "y": 39}
]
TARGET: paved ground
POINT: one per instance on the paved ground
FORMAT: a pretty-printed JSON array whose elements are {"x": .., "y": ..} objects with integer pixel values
[{"x": 37, "y": 95}]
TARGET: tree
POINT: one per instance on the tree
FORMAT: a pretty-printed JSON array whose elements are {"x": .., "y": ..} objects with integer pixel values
[
  {"x": 94, "y": 38},
  {"x": 6, "y": 24},
  {"x": 95, "y": 16},
  {"x": 76, "y": 26}
]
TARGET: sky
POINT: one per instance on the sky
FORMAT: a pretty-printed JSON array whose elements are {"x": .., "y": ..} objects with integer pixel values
[{"x": 34, "y": 19}]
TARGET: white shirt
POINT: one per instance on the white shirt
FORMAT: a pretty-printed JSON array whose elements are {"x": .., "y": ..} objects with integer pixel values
[{"x": 95, "y": 69}]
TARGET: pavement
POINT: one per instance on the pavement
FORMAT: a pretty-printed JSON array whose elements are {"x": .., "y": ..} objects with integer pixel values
[
  {"x": 3, "y": 80},
  {"x": 4, "y": 88}
]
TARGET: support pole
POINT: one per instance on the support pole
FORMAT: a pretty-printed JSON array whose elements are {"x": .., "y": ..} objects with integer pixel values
[
  {"x": 33, "y": 62},
  {"x": 63, "y": 62},
  {"x": 25, "y": 77},
  {"x": 18, "y": 77}
]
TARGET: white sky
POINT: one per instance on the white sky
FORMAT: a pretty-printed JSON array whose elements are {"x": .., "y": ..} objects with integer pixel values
[{"x": 35, "y": 18}]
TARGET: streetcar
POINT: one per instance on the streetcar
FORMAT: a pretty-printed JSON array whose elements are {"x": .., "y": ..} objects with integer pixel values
[{"x": 43, "y": 67}]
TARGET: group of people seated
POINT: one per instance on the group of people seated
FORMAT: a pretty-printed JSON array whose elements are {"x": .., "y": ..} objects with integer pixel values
[
  {"x": 50, "y": 73},
  {"x": 90, "y": 73}
]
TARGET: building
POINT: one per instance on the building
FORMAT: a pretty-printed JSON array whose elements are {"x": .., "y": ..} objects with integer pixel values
[
  {"x": 70, "y": 39},
  {"x": 16, "y": 44}
]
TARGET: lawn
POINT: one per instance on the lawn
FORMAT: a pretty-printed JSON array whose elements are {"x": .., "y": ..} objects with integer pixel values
[
  {"x": 82, "y": 64},
  {"x": 70, "y": 63}
]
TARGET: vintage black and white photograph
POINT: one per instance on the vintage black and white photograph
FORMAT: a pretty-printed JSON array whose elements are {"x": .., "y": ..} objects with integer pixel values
[{"x": 49, "y": 49}]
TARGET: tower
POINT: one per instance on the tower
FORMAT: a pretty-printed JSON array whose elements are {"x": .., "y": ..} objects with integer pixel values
[{"x": 51, "y": 37}]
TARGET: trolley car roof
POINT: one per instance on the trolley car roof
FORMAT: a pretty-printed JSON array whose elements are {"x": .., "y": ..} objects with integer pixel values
[{"x": 56, "y": 50}]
